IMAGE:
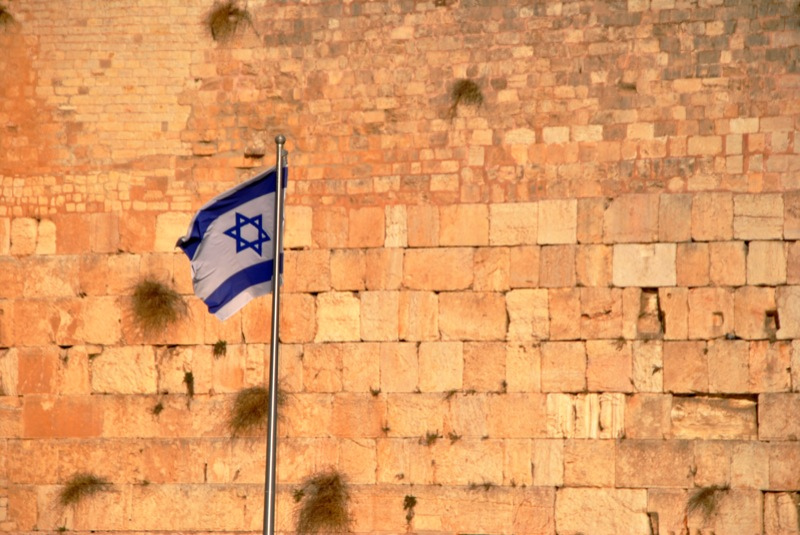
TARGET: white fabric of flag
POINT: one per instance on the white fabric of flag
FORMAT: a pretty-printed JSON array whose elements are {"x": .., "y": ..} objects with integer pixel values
[{"x": 229, "y": 244}]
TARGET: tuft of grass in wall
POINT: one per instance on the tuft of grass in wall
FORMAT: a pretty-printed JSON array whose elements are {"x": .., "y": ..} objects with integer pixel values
[
  {"x": 430, "y": 438},
  {"x": 409, "y": 502},
  {"x": 224, "y": 20},
  {"x": 155, "y": 306},
  {"x": 188, "y": 380},
  {"x": 324, "y": 501},
  {"x": 465, "y": 92},
  {"x": 80, "y": 486},
  {"x": 156, "y": 410},
  {"x": 220, "y": 348},
  {"x": 705, "y": 500},
  {"x": 251, "y": 409},
  {"x": 6, "y": 18}
]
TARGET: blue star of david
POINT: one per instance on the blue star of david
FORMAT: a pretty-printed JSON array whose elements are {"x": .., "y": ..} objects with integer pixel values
[{"x": 242, "y": 242}]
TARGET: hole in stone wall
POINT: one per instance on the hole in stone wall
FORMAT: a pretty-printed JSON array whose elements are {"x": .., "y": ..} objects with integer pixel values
[{"x": 650, "y": 323}]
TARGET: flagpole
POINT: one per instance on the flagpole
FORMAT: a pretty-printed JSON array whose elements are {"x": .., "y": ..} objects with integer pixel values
[{"x": 272, "y": 422}]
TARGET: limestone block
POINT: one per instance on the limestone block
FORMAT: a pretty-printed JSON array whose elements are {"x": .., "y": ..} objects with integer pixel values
[
  {"x": 37, "y": 370},
  {"x": 593, "y": 265},
  {"x": 589, "y": 463},
  {"x": 448, "y": 268},
  {"x": 12, "y": 281},
  {"x": 517, "y": 415},
  {"x": 772, "y": 421},
  {"x": 648, "y": 416},
  {"x": 753, "y": 309},
  {"x": 728, "y": 366},
  {"x": 379, "y": 315},
  {"x": 589, "y": 226},
  {"x": 23, "y": 236},
  {"x": 46, "y": 237},
  {"x": 738, "y": 511},
  {"x": 9, "y": 371},
  {"x": 137, "y": 231},
  {"x": 793, "y": 262},
  {"x": 791, "y": 215},
  {"x": 648, "y": 366},
  {"x": 547, "y": 462},
  {"x": 523, "y": 266},
  {"x": 491, "y": 269},
  {"x": 384, "y": 269},
  {"x": 685, "y": 367},
  {"x": 674, "y": 304},
  {"x": 609, "y": 366},
  {"x": 45, "y": 416},
  {"x": 601, "y": 313},
  {"x": 710, "y": 312},
  {"x": 399, "y": 365},
  {"x": 645, "y": 265},
  {"x": 783, "y": 461},
  {"x": 306, "y": 271},
  {"x": 781, "y": 515},
  {"x": 360, "y": 367},
  {"x": 50, "y": 276},
  {"x": 5, "y": 236},
  {"x": 788, "y": 301},
  {"x": 323, "y": 367},
  {"x": 692, "y": 262},
  {"x": 517, "y": 463},
  {"x": 585, "y": 415},
  {"x": 169, "y": 227},
  {"x": 558, "y": 221},
  {"x": 674, "y": 217},
  {"x": 330, "y": 227},
  {"x": 472, "y": 316},
  {"x": 358, "y": 459},
  {"x": 297, "y": 227},
  {"x": 557, "y": 266},
  {"x": 654, "y": 463},
  {"x": 123, "y": 272},
  {"x": 124, "y": 370},
  {"x": 308, "y": 415},
  {"x": 631, "y": 219},
  {"x": 770, "y": 367},
  {"x": 441, "y": 366},
  {"x": 523, "y": 367},
  {"x": 727, "y": 263},
  {"x": 366, "y": 227},
  {"x": 423, "y": 225},
  {"x": 669, "y": 506},
  {"x": 766, "y": 263},
  {"x": 469, "y": 461},
  {"x": 348, "y": 269},
  {"x": 297, "y": 318},
  {"x": 396, "y": 218},
  {"x": 467, "y": 415},
  {"x": 338, "y": 317},
  {"x": 758, "y": 216},
  {"x": 419, "y": 316},
  {"x": 104, "y": 233},
  {"x": 484, "y": 366},
  {"x": 601, "y": 511},
  {"x": 563, "y": 367},
  {"x": 565, "y": 311},
  {"x": 528, "y": 315},
  {"x": 359, "y": 415},
  {"x": 513, "y": 223},
  {"x": 712, "y": 216},
  {"x": 750, "y": 464},
  {"x": 464, "y": 224},
  {"x": 714, "y": 418}
]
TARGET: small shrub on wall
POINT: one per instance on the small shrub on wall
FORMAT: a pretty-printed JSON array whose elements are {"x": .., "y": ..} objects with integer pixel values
[
  {"x": 155, "y": 306},
  {"x": 324, "y": 500},
  {"x": 251, "y": 409},
  {"x": 224, "y": 20},
  {"x": 80, "y": 486}
]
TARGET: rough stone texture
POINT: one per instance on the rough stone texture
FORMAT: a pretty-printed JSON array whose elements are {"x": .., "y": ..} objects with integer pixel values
[{"x": 560, "y": 311}]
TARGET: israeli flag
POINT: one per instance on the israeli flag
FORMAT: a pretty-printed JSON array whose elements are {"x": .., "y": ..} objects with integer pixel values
[{"x": 230, "y": 246}]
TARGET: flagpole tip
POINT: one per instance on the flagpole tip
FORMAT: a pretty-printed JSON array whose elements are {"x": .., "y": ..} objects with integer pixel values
[{"x": 280, "y": 139}]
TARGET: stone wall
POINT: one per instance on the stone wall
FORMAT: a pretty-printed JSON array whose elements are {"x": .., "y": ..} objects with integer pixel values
[{"x": 573, "y": 308}]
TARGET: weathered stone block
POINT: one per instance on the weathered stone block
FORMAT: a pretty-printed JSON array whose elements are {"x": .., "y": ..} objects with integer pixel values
[
  {"x": 513, "y": 223},
  {"x": 685, "y": 367},
  {"x": 491, "y": 269},
  {"x": 692, "y": 263},
  {"x": 124, "y": 370},
  {"x": 399, "y": 367},
  {"x": 558, "y": 221},
  {"x": 523, "y": 266},
  {"x": 766, "y": 263},
  {"x": 712, "y": 217},
  {"x": 297, "y": 227},
  {"x": 770, "y": 366},
  {"x": 593, "y": 265},
  {"x": 528, "y": 315},
  {"x": 727, "y": 263},
  {"x": 713, "y": 418},
  {"x": 601, "y": 511},
  {"x": 648, "y": 366},
  {"x": 441, "y": 366},
  {"x": 557, "y": 266},
  {"x": 645, "y": 265},
  {"x": 472, "y": 316},
  {"x": 710, "y": 312},
  {"x": 589, "y": 463},
  {"x": 348, "y": 269},
  {"x": 384, "y": 269},
  {"x": 758, "y": 216},
  {"x": 464, "y": 224},
  {"x": 330, "y": 227},
  {"x": 601, "y": 313},
  {"x": 563, "y": 366},
  {"x": 728, "y": 366},
  {"x": 675, "y": 218},
  {"x": 750, "y": 464},
  {"x": 788, "y": 301},
  {"x": 366, "y": 227},
  {"x": 380, "y": 315},
  {"x": 307, "y": 271},
  {"x": 438, "y": 269},
  {"x": 338, "y": 317},
  {"x": 586, "y": 415},
  {"x": 772, "y": 421},
  {"x": 589, "y": 226},
  {"x": 419, "y": 316},
  {"x": 648, "y": 416},
  {"x": 631, "y": 219},
  {"x": 608, "y": 366},
  {"x": 423, "y": 225},
  {"x": 674, "y": 303},
  {"x": 396, "y": 226},
  {"x": 654, "y": 463}
]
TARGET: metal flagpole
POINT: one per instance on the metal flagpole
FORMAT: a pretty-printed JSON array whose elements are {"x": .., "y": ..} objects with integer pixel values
[{"x": 272, "y": 423}]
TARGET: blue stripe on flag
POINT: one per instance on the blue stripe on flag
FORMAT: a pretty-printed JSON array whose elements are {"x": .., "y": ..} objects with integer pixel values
[
  {"x": 239, "y": 282},
  {"x": 257, "y": 186}
]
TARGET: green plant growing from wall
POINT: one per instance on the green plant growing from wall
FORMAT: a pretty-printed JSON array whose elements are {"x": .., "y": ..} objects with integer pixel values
[
  {"x": 6, "y": 18},
  {"x": 430, "y": 438},
  {"x": 251, "y": 409},
  {"x": 465, "y": 92},
  {"x": 706, "y": 500},
  {"x": 224, "y": 20},
  {"x": 324, "y": 500},
  {"x": 80, "y": 486},
  {"x": 220, "y": 348},
  {"x": 155, "y": 306},
  {"x": 188, "y": 380},
  {"x": 409, "y": 502}
]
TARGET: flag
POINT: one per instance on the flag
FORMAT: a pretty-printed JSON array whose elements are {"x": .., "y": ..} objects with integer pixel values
[{"x": 229, "y": 243}]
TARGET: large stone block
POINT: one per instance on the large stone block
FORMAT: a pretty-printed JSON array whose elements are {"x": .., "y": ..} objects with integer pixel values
[
  {"x": 632, "y": 219},
  {"x": 586, "y": 415},
  {"x": 644, "y": 265},
  {"x": 338, "y": 317},
  {"x": 124, "y": 370},
  {"x": 441, "y": 366},
  {"x": 528, "y": 315},
  {"x": 464, "y": 224},
  {"x": 438, "y": 269},
  {"x": 766, "y": 263},
  {"x": 758, "y": 216},
  {"x": 727, "y": 263},
  {"x": 773, "y": 423},
  {"x": 648, "y": 416},
  {"x": 710, "y": 312},
  {"x": 484, "y": 366},
  {"x": 419, "y": 316},
  {"x": 380, "y": 315},
  {"x": 348, "y": 269},
  {"x": 685, "y": 367},
  {"x": 563, "y": 366},
  {"x": 513, "y": 223},
  {"x": 713, "y": 418},
  {"x": 712, "y": 217},
  {"x": 609, "y": 366},
  {"x": 557, "y": 266},
  {"x": 788, "y": 301},
  {"x": 472, "y": 316},
  {"x": 557, "y": 221},
  {"x": 491, "y": 269},
  {"x": 589, "y": 463},
  {"x": 601, "y": 511},
  {"x": 654, "y": 463},
  {"x": 399, "y": 365}
]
